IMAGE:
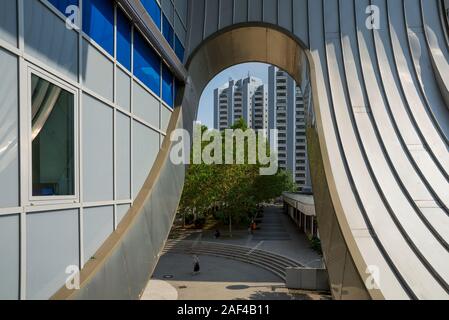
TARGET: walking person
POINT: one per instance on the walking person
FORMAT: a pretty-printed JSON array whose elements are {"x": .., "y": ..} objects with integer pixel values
[
  {"x": 196, "y": 265},
  {"x": 253, "y": 226}
]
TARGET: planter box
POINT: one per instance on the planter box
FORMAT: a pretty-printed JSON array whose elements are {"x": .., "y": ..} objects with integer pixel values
[{"x": 307, "y": 279}]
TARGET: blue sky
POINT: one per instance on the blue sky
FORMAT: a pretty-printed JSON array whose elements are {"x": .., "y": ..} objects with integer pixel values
[{"x": 206, "y": 110}]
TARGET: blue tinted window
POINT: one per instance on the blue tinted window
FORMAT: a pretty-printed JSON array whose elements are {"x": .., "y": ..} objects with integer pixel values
[
  {"x": 167, "y": 86},
  {"x": 98, "y": 22},
  {"x": 123, "y": 40},
  {"x": 146, "y": 64},
  {"x": 179, "y": 49},
  {"x": 168, "y": 32},
  {"x": 62, "y": 5},
  {"x": 153, "y": 10}
]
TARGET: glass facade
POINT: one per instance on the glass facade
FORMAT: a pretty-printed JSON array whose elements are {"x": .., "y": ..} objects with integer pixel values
[
  {"x": 53, "y": 108},
  {"x": 167, "y": 86},
  {"x": 92, "y": 130},
  {"x": 62, "y": 5},
  {"x": 124, "y": 32},
  {"x": 166, "y": 25},
  {"x": 179, "y": 49},
  {"x": 154, "y": 10},
  {"x": 167, "y": 31},
  {"x": 52, "y": 132},
  {"x": 98, "y": 23},
  {"x": 147, "y": 64}
]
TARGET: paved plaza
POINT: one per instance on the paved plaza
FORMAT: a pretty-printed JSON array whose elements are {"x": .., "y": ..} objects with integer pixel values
[
  {"x": 219, "y": 279},
  {"x": 226, "y": 279},
  {"x": 278, "y": 234}
]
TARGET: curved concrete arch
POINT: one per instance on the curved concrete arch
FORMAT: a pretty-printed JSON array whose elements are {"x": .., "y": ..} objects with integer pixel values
[
  {"x": 380, "y": 200},
  {"x": 250, "y": 42},
  {"x": 272, "y": 45}
]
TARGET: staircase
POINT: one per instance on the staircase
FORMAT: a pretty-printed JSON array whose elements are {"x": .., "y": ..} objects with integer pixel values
[{"x": 273, "y": 263}]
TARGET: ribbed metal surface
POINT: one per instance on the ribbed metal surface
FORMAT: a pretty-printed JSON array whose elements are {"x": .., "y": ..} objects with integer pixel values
[
  {"x": 141, "y": 18},
  {"x": 378, "y": 148}
]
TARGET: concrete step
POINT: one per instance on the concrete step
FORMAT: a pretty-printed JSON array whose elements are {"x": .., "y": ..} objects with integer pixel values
[
  {"x": 269, "y": 261},
  {"x": 236, "y": 249},
  {"x": 242, "y": 255},
  {"x": 280, "y": 272}
]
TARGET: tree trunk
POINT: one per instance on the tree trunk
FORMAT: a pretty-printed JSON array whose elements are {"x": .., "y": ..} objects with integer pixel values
[
  {"x": 230, "y": 226},
  {"x": 184, "y": 219}
]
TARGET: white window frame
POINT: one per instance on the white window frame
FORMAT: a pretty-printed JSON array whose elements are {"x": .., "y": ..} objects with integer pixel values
[{"x": 48, "y": 200}]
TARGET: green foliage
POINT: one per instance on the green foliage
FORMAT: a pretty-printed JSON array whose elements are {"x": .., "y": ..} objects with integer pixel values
[
  {"x": 235, "y": 190},
  {"x": 315, "y": 244}
]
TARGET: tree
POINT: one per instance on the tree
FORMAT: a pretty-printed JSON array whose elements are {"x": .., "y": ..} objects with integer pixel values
[
  {"x": 199, "y": 189},
  {"x": 236, "y": 189}
]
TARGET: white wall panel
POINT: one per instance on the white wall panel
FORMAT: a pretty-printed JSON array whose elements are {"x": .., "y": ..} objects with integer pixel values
[
  {"x": 145, "y": 150},
  {"x": 98, "y": 224},
  {"x": 146, "y": 106},
  {"x": 9, "y": 257},
  {"x": 123, "y": 157},
  {"x": 9, "y": 154},
  {"x": 97, "y": 150},
  {"x": 122, "y": 209},
  {"x": 97, "y": 71},
  {"x": 8, "y": 21},
  {"x": 48, "y": 39},
  {"x": 165, "y": 118},
  {"x": 123, "y": 90},
  {"x": 52, "y": 246}
]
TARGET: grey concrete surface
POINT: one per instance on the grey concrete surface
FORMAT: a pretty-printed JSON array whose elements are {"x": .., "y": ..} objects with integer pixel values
[
  {"x": 219, "y": 279},
  {"x": 277, "y": 234}
]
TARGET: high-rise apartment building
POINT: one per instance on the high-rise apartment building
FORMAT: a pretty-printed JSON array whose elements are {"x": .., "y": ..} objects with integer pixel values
[
  {"x": 287, "y": 115},
  {"x": 247, "y": 99},
  {"x": 276, "y": 105}
]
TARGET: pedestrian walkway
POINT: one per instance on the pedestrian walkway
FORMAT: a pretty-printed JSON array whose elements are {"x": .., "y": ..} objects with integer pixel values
[
  {"x": 269, "y": 261},
  {"x": 246, "y": 266},
  {"x": 219, "y": 279},
  {"x": 277, "y": 234},
  {"x": 273, "y": 228}
]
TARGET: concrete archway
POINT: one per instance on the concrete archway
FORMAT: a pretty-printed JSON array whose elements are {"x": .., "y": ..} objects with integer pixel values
[
  {"x": 276, "y": 46},
  {"x": 377, "y": 142}
]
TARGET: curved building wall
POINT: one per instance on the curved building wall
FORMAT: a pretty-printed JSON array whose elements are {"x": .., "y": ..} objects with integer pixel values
[
  {"x": 378, "y": 141},
  {"x": 378, "y": 138},
  {"x": 119, "y": 125}
]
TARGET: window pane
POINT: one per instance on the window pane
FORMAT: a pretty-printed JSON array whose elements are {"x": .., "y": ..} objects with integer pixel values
[
  {"x": 53, "y": 136},
  {"x": 123, "y": 40},
  {"x": 147, "y": 64},
  {"x": 153, "y": 10},
  {"x": 168, "y": 32},
  {"x": 62, "y": 5},
  {"x": 167, "y": 86},
  {"x": 179, "y": 49},
  {"x": 98, "y": 22}
]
